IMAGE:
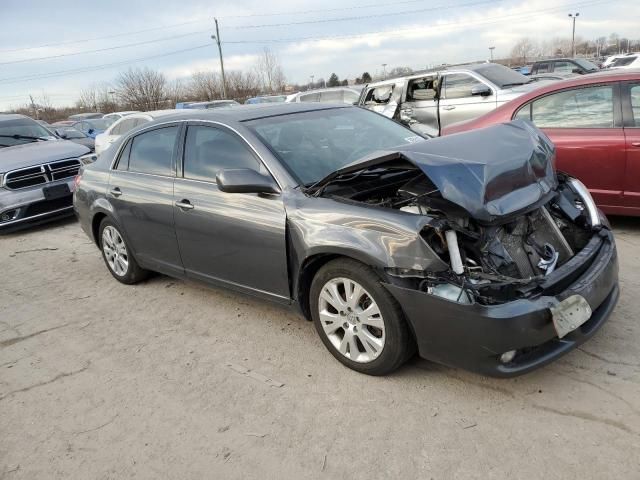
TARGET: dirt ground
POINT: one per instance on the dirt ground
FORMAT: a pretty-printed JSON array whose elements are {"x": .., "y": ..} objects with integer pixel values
[{"x": 175, "y": 380}]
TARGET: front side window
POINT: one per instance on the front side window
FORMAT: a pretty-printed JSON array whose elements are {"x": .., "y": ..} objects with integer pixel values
[
  {"x": 459, "y": 85},
  {"x": 563, "y": 67},
  {"x": 590, "y": 107},
  {"x": 310, "y": 145},
  {"x": 208, "y": 150},
  {"x": 152, "y": 152}
]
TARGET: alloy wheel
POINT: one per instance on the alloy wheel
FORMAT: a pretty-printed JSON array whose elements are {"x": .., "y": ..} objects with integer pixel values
[
  {"x": 351, "y": 320},
  {"x": 115, "y": 251}
]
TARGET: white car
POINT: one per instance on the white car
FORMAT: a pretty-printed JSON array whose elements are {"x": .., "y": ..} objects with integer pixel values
[
  {"x": 348, "y": 95},
  {"x": 609, "y": 62},
  {"x": 118, "y": 115},
  {"x": 626, "y": 62},
  {"x": 124, "y": 125}
]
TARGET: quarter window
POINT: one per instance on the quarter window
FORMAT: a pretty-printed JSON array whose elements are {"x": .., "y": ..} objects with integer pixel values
[
  {"x": 459, "y": 85},
  {"x": 152, "y": 152},
  {"x": 590, "y": 107},
  {"x": 208, "y": 150}
]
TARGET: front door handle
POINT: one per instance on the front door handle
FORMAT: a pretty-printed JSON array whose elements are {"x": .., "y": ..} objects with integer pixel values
[
  {"x": 116, "y": 192},
  {"x": 635, "y": 144},
  {"x": 449, "y": 107},
  {"x": 184, "y": 204}
]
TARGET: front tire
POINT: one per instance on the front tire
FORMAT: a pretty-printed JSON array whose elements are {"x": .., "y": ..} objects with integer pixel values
[
  {"x": 117, "y": 255},
  {"x": 358, "y": 320}
]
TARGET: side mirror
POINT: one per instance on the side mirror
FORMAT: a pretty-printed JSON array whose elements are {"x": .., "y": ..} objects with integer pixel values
[
  {"x": 481, "y": 90},
  {"x": 576, "y": 70},
  {"x": 245, "y": 180},
  {"x": 60, "y": 134},
  {"x": 91, "y": 130}
]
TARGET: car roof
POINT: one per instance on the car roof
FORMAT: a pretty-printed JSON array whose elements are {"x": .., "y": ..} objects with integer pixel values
[
  {"x": 11, "y": 116},
  {"x": 248, "y": 112}
]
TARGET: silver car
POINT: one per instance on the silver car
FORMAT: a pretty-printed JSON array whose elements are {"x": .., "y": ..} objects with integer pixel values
[
  {"x": 430, "y": 101},
  {"x": 37, "y": 172}
]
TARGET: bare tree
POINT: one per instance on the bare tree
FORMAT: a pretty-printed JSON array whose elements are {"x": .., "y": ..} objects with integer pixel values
[
  {"x": 206, "y": 86},
  {"x": 524, "y": 49},
  {"x": 88, "y": 99},
  {"x": 176, "y": 92},
  {"x": 142, "y": 89},
  {"x": 242, "y": 85},
  {"x": 270, "y": 72}
]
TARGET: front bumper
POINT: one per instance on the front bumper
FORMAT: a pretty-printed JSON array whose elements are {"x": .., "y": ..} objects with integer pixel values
[
  {"x": 28, "y": 206},
  {"x": 474, "y": 336}
]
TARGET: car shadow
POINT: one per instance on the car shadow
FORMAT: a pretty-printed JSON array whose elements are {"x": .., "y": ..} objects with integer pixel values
[{"x": 43, "y": 227}]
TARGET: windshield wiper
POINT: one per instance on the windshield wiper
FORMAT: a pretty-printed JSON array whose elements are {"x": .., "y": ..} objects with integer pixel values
[{"x": 24, "y": 137}]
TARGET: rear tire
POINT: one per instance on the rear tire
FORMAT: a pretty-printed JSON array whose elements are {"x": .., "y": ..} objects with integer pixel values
[
  {"x": 358, "y": 320},
  {"x": 117, "y": 254}
]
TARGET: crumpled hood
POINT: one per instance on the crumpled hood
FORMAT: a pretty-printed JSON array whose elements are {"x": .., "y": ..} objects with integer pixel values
[
  {"x": 35, "y": 153},
  {"x": 491, "y": 173}
]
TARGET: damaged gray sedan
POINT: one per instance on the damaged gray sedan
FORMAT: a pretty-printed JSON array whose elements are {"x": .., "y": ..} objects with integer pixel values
[{"x": 468, "y": 249}]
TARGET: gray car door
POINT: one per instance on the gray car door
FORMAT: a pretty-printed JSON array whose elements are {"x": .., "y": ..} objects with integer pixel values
[
  {"x": 237, "y": 239},
  {"x": 463, "y": 97},
  {"x": 141, "y": 192},
  {"x": 419, "y": 110}
]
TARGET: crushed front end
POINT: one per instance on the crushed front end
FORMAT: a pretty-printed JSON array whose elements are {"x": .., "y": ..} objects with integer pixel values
[{"x": 531, "y": 262}]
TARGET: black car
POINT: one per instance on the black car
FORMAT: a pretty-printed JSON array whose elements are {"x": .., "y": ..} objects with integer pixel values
[
  {"x": 564, "y": 65},
  {"x": 37, "y": 170},
  {"x": 76, "y": 136},
  {"x": 467, "y": 247}
]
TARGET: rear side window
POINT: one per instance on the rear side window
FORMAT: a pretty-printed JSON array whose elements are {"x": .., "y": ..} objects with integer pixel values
[
  {"x": 635, "y": 103},
  {"x": 379, "y": 95},
  {"x": 590, "y": 107},
  {"x": 544, "y": 67},
  {"x": 208, "y": 150},
  {"x": 309, "y": 97},
  {"x": 332, "y": 96},
  {"x": 421, "y": 89},
  {"x": 152, "y": 152}
]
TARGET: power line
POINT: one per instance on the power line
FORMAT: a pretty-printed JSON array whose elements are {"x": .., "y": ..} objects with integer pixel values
[
  {"x": 362, "y": 17},
  {"x": 523, "y": 15},
  {"x": 117, "y": 47},
  {"x": 321, "y": 10},
  {"x": 96, "y": 67},
  {"x": 115, "y": 35}
]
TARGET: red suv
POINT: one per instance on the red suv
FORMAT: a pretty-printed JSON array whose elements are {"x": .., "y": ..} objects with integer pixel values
[{"x": 594, "y": 122}]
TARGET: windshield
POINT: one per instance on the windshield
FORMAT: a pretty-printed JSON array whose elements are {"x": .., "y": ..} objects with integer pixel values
[
  {"x": 21, "y": 130},
  {"x": 586, "y": 64},
  {"x": 501, "y": 76},
  {"x": 311, "y": 145},
  {"x": 70, "y": 132},
  {"x": 100, "y": 124}
]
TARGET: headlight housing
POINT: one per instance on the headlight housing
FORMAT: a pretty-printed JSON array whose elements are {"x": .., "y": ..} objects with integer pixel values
[
  {"x": 587, "y": 200},
  {"x": 88, "y": 158}
]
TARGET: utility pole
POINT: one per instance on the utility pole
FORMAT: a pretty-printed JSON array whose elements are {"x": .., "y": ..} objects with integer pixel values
[
  {"x": 491, "y": 49},
  {"x": 33, "y": 105},
  {"x": 384, "y": 71},
  {"x": 573, "y": 35},
  {"x": 311, "y": 86},
  {"x": 216, "y": 37}
]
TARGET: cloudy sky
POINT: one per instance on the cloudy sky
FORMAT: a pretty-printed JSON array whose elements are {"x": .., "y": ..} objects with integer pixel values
[{"x": 92, "y": 41}]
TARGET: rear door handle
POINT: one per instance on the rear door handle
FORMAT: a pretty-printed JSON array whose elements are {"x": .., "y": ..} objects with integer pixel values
[
  {"x": 635, "y": 144},
  {"x": 115, "y": 191},
  {"x": 184, "y": 204},
  {"x": 449, "y": 107}
]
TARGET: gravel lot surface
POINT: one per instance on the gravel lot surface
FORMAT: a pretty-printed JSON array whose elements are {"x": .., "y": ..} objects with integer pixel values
[{"x": 171, "y": 379}]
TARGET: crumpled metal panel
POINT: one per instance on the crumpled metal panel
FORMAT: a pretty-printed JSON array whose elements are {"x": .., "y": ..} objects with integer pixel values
[{"x": 491, "y": 173}]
